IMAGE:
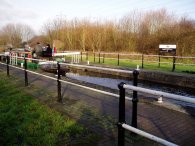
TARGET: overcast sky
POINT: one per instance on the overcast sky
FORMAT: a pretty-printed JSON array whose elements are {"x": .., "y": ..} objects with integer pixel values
[{"x": 37, "y": 12}]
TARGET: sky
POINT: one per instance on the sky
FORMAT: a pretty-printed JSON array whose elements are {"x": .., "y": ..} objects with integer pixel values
[{"x": 37, "y": 12}]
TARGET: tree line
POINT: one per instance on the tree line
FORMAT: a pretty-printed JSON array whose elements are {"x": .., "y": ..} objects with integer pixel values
[{"x": 136, "y": 32}]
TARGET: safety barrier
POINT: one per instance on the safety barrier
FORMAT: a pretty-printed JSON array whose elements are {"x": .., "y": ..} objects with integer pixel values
[
  {"x": 75, "y": 56},
  {"x": 133, "y": 128},
  {"x": 58, "y": 79},
  {"x": 13, "y": 58},
  {"x": 122, "y": 86}
]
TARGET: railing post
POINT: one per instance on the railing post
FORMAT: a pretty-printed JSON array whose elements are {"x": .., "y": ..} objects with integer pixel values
[
  {"x": 118, "y": 59},
  {"x": 121, "y": 130},
  {"x": 25, "y": 72},
  {"x": 134, "y": 100},
  {"x": 142, "y": 60},
  {"x": 59, "y": 84},
  {"x": 7, "y": 61}
]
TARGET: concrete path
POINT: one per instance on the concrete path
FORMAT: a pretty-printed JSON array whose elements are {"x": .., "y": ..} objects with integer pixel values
[{"x": 100, "y": 112}]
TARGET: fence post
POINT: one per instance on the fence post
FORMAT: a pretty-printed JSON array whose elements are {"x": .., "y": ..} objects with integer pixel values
[
  {"x": 142, "y": 60},
  {"x": 159, "y": 60},
  {"x": 174, "y": 60},
  {"x": 7, "y": 61},
  {"x": 25, "y": 72},
  {"x": 134, "y": 100},
  {"x": 118, "y": 59},
  {"x": 121, "y": 130},
  {"x": 94, "y": 57},
  {"x": 87, "y": 56},
  {"x": 99, "y": 57},
  {"x": 103, "y": 57},
  {"x": 81, "y": 56},
  {"x": 59, "y": 83}
]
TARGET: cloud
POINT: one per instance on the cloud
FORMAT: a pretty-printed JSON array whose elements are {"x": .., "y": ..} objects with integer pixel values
[
  {"x": 6, "y": 4},
  {"x": 11, "y": 14}
]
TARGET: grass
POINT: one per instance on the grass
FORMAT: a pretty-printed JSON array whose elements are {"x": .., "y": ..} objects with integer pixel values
[
  {"x": 147, "y": 65},
  {"x": 24, "y": 121}
]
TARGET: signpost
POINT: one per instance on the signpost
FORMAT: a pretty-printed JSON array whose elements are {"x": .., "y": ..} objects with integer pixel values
[{"x": 163, "y": 48}]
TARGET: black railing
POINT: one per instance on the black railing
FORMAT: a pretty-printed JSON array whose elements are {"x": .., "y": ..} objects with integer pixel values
[{"x": 121, "y": 130}]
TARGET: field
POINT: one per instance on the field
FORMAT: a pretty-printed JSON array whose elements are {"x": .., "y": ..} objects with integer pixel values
[{"x": 149, "y": 62}]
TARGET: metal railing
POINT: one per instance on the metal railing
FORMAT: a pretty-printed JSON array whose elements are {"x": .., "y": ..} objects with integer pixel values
[
  {"x": 58, "y": 79},
  {"x": 133, "y": 128},
  {"x": 122, "y": 86}
]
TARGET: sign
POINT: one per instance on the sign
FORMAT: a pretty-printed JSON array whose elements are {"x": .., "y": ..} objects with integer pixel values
[{"x": 167, "y": 48}]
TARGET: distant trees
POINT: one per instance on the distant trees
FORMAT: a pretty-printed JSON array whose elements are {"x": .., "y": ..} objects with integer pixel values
[
  {"x": 135, "y": 32},
  {"x": 14, "y": 34}
]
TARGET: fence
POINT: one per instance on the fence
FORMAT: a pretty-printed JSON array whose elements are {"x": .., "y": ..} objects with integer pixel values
[
  {"x": 143, "y": 60},
  {"x": 75, "y": 56},
  {"x": 133, "y": 128},
  {"x": 58, "y": 79},
  {"x": 122, "y": 86}
]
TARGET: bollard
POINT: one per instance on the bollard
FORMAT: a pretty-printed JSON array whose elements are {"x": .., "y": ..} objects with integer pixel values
[
  {"x": 59, "y": 84},
  {"x": 121, "y": 130},
  {"x": 160, "y": 99},
  {"x": 134, "y": 100},
  {"x": 137, "y": 67},
  {"x": 25, "y": 72},
  {"x": 7, "y": 61}
]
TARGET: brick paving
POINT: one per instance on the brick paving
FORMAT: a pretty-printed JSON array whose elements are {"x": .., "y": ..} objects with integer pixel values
[{"x": 100, "y": 113}]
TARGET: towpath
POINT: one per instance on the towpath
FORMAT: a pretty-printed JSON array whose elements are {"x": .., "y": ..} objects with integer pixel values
[{"x": 99, "y": 112}]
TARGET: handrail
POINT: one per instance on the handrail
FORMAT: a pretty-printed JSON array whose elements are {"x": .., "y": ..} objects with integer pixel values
[
  {"x": 99, "y": 68},
  {"x": 147, "y": 135},
  {"x": 74, "y": 84},
  {"x": 160, "y": 93}
]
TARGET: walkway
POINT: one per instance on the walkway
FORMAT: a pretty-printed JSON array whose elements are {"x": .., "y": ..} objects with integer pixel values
[{"x": 100, "y": 112}]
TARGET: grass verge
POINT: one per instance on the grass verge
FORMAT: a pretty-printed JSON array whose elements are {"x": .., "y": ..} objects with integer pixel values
[{"x": 24, "y": 121}]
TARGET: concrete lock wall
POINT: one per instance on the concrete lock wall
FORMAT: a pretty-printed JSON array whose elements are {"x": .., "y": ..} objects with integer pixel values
[{"x": 169, "y": 78}]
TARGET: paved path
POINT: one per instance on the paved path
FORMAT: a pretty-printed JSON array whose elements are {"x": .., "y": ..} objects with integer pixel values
[{"x": 100, "y": 112}]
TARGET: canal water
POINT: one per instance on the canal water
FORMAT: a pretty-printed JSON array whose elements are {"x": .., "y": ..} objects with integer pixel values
[{"x": 112, "y": 83}]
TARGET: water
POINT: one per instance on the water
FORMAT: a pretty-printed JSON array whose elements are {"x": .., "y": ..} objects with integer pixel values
[{"x": 113, "y": 84}]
